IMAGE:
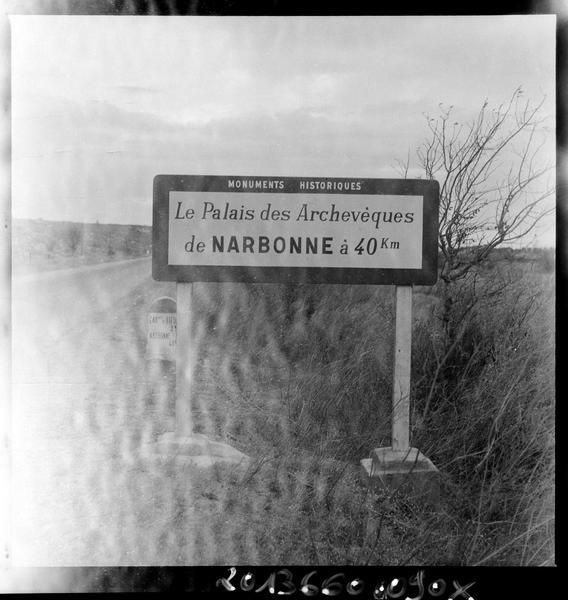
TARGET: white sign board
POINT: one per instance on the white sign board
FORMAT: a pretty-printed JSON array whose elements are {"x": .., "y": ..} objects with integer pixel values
[{"x": 284, "y": 230}]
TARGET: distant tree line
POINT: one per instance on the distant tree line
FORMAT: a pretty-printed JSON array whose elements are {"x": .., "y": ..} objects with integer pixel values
[
  {"x": 109, "y": 239},
  {"x": 35, "y": 241}
]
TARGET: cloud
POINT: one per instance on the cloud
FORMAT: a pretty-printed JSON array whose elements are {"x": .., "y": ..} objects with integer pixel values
[
  {"x": 94, "y": 157},
  {"x": 293, "y": 96}
]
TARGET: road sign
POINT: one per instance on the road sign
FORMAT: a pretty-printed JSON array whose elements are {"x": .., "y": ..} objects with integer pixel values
[
  {"x": 295, "y": 229},
  {"x": 300, "y": 229}
]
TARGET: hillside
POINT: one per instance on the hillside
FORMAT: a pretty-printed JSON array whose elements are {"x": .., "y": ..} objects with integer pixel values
[{"x": 39, "y": 244}]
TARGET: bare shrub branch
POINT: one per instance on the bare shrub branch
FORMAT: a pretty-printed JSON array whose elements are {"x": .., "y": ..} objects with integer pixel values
[{"x": 493, "y": 189}]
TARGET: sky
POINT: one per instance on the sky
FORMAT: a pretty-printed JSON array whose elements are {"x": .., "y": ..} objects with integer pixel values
[{"x": 102, "y": 104}]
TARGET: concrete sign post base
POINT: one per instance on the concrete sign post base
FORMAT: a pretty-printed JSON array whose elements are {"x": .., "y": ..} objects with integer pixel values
[
  {"x": 408, "y": 470},
  {"x": 198, "y": 450}
]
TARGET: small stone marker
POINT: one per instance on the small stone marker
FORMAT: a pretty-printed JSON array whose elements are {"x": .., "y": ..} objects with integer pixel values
[{"x": 162, "y": 321}]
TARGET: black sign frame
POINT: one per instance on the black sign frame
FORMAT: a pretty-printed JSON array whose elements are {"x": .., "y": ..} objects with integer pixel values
[{"x": 164, "y": 184}]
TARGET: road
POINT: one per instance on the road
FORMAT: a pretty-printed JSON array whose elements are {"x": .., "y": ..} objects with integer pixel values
[
  {"x": 49, "y": 305},
  {"x": 82, "y": 403}
]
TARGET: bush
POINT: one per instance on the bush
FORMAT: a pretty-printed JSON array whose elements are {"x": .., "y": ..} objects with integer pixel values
[
  {"x": 294, "y": 383},
  {"x": 490, "y": 423}
]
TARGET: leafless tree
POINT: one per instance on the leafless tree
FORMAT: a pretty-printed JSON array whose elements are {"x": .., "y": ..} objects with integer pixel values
[{"x": 494, "y": 187}]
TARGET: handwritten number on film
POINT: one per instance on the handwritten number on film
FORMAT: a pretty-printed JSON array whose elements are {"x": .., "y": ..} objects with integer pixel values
[
  {"x": 281, "y": 583},
  {"x": 289, "y": 587},
  {"x": 330, "y": 587}
]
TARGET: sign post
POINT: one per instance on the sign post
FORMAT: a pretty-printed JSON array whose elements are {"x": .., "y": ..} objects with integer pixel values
[
  {"x": 305, "y": 230},
  {"x": 401, "y": 378},
  {"x": 185, "y": 360}
]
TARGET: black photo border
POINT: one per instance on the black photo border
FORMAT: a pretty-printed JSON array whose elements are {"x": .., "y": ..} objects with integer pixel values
[{"x": 491, "y": 581}]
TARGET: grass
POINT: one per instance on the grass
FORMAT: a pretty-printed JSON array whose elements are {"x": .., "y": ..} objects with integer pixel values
[{"x": 309, "y": 396}]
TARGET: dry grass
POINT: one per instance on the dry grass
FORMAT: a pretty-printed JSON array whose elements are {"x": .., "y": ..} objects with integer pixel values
[{"x": 318, "y": 385}]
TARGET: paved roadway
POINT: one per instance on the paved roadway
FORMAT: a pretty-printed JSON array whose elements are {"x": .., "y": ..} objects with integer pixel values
[
  {"x": 80, "y": 397},
  {"x": 47, "y": 306}
]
